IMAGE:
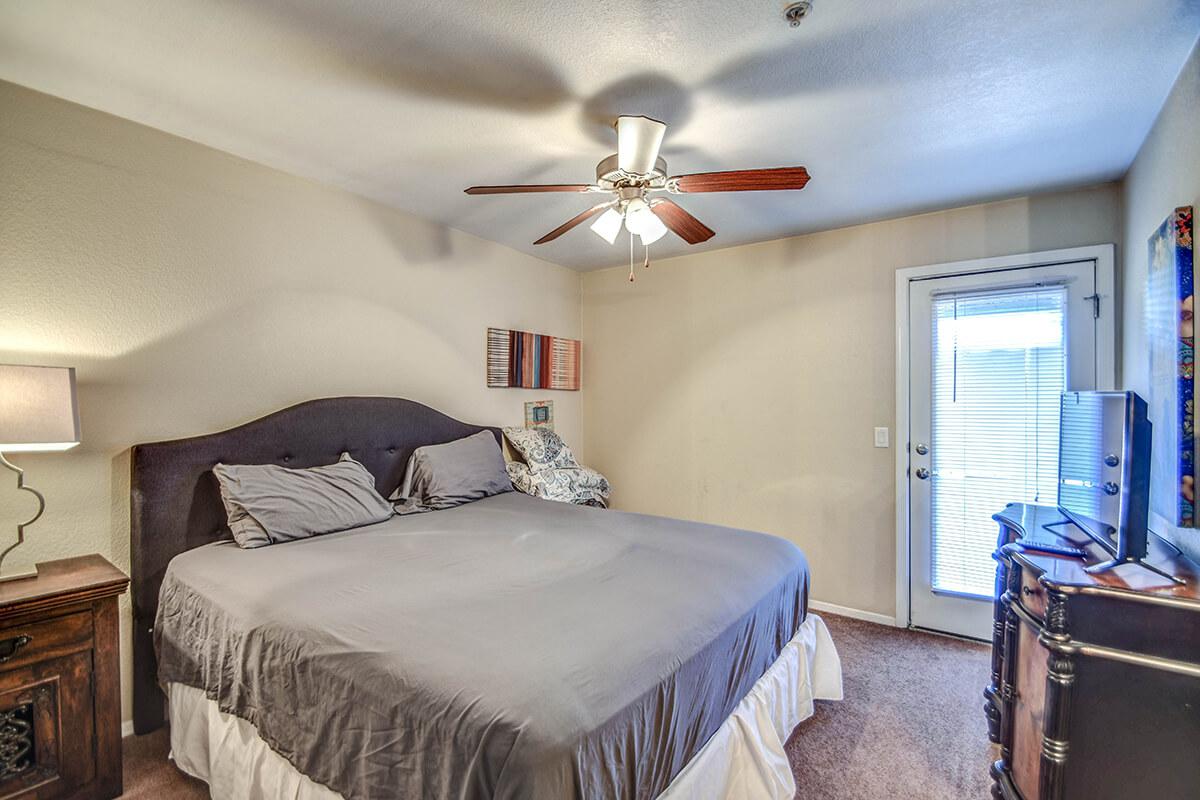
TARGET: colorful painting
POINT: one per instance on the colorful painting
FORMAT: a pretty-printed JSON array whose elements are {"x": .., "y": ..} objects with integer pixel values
[
  {"x": 1171, "y": 335},
  {"x": 540, "y": 414},
  {"x": 521, "y": 360}
]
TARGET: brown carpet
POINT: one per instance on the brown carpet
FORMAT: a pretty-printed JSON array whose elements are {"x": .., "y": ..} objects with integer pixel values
[
  {"x": 911, "y": 726},
  {"x": 150, "y": 775}
]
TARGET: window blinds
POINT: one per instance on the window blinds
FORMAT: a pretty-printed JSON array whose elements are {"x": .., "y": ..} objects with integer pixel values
[{"x": 999, "y": 367}]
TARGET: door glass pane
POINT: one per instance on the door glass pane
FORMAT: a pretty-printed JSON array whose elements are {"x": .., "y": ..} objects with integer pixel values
[{"x": 999, "y": 367}]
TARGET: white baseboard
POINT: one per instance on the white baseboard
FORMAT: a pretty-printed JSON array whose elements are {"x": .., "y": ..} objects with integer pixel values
[
  {"x": 853, "y": 613},
  {"x": 127, "y": 728}
]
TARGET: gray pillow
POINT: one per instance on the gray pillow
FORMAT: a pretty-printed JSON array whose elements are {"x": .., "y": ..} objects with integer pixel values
[
  {"x": 267, "y": 504},
  {"x": 446, "y": 475}
]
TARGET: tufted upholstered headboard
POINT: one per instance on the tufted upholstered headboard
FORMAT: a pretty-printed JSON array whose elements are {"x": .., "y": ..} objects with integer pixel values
[{"x": 175, "y": 503}]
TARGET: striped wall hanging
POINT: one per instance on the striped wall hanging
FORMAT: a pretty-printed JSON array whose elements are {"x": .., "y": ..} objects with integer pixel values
[{"x": 522, "y": 360}]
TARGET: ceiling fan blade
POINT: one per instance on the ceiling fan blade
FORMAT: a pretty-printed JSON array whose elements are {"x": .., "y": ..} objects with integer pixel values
[
  {"x": 638, "y": 141},
  {"x": 572, "y": 222},
  {"x": 683, "y": 224},
  {"x": 529, "y": 187},
  {"x": 742, "y": 180}
]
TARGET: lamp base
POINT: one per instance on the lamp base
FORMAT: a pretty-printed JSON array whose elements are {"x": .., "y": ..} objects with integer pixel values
[
  {"x": 26, "y": 573},
  {"x": 21, "y": 575}
]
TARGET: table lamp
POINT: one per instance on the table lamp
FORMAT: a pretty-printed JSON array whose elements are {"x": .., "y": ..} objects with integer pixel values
[{"x": 38, "y": 413}]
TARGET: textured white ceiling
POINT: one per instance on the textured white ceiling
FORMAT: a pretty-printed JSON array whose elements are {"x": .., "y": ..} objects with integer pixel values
[{"x": 894, "y": 106}]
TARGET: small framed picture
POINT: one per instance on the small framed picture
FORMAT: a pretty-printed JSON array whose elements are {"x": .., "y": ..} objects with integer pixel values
[{"x": 539, "y": 414}]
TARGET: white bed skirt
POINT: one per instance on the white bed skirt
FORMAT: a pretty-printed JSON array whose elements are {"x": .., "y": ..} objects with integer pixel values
[{"x": 744, "y": 759}]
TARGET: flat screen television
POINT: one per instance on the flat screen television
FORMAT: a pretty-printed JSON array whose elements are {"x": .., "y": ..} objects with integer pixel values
[{"x": 1104, "y": 471}]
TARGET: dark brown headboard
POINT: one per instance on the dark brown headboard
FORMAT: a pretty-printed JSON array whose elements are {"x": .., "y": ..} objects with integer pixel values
[{"x": 175, "y": 504}]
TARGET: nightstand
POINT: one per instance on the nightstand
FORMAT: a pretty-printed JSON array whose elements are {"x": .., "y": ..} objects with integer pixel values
[{"x": 60, "y": 682}]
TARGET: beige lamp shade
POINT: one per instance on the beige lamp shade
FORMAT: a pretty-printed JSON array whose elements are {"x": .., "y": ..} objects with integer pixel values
[{"x": 38, "y": 411}]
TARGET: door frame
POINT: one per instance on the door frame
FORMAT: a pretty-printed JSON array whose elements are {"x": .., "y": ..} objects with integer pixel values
[{"x": 1103, "y": 255}]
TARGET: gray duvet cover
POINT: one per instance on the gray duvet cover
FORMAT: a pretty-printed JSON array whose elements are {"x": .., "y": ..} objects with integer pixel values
[{"x": 509, "y": 648}]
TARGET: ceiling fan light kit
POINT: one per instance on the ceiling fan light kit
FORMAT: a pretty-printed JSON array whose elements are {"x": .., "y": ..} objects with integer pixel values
[
  {"x": 636, "y": 171},
  {"x": 640, "y": 220}
]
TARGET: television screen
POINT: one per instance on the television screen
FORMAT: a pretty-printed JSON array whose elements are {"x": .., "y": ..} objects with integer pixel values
[{"x": 1090, "y": 461}]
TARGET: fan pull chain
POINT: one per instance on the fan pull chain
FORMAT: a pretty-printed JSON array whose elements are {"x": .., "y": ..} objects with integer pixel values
[
  {"x": 631, "y": 258},
  {"x": 646, "y": 260}
]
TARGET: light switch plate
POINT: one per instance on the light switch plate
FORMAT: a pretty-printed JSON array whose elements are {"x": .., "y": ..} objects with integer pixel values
[{"x": 881, "y": 437}]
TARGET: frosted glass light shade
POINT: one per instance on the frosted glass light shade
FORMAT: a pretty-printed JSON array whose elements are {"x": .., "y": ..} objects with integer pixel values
[
  {"x": 653, "y": 230},
  {"x": 38, "y": 409},
  {"x": 639, "y": 218},
  {"x": 638, "y": 141},
  {"x": 608, "y": 225}
]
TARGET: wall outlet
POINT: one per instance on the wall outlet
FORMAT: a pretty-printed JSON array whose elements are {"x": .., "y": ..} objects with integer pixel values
[{"x": 881, "y": 437}]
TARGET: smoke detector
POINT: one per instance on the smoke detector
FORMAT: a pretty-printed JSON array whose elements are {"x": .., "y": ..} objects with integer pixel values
[{"x": 797, "y": 12}]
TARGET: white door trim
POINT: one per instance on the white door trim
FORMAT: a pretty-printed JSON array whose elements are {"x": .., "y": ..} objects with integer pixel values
[{"x": 1106, "y": 363}]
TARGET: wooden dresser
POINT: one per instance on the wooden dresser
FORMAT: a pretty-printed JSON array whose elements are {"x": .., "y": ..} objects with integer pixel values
[
  {"x": 1095, "y": 686},
  {"x": 60, "y": 686}
]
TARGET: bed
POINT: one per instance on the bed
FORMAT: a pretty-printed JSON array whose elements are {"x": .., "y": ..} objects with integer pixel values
[{"x": 508, "y": 648}]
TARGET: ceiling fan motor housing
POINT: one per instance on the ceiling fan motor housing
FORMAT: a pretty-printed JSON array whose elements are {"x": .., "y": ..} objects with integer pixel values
[{"x": 610, "y": 176}]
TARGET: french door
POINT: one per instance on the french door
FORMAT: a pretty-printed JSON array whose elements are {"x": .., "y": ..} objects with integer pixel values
[{"x": 989, "y": 355}]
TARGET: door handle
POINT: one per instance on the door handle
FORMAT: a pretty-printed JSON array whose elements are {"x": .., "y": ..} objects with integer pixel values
[
  {"x": 922, "y": 473},
  {"x": 922, "y": 449}
]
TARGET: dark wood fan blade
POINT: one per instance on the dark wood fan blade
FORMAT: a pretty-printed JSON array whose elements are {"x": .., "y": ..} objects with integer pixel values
[
  {"x": 529, "y": 187},
  {"x": 743, "y": 180},
  {"x": 572, "y": 222},
  {"x": 684, "y": 225}
]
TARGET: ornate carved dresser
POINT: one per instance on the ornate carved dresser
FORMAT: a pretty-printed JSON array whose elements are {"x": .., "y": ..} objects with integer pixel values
[
  {"x": 60, "y": 685},
  {"x": 1095, "y": 685}
]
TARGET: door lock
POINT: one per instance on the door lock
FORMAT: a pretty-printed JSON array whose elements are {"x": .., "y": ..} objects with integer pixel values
[
  {"x": 922, "y": 449},
  {"x": 922, "y": 473}
]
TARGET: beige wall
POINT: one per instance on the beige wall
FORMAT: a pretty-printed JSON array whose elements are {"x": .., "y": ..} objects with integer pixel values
[
  {"x": 741, "y": 386},
  {"x": 1165, "y": 175},
  {"x": 195, "y": 291}
]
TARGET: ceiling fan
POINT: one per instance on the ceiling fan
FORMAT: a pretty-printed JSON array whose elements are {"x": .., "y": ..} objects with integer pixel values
[{"x": 635, "y": 174}]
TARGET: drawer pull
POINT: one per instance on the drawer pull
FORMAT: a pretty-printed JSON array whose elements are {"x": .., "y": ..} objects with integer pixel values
[{"x": 10, "y": 647}]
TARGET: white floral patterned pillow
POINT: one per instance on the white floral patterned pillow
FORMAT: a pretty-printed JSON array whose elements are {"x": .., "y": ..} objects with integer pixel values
[
  {"x": 579, "y": 485},
  {"x": 541, "y": 448}
]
